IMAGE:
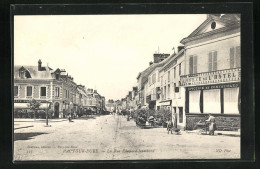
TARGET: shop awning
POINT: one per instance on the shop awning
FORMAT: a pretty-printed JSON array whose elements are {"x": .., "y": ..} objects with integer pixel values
[
  {"x": 166, "y": 103},
  {"x": 25, "y": 106}
]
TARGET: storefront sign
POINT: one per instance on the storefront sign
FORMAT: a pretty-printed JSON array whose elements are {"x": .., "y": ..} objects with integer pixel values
[
  {"x": 166, "y": 103},
  {"x": 218, "y": 86},
  {"x": 27, "y": 101},
  {"x": 228, "y": 75}
]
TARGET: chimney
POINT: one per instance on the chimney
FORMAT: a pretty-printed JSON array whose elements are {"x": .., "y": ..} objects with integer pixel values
[
  {"x": 180, "y": 48},
  {"x": 39, "y": 65},
  {"x": 150, "y": 63},
  {"x": 158, "y": 57}
]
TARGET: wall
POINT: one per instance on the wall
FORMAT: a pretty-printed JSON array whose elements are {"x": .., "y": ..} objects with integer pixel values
[
  {"x": 221, "y": 45},
  {"x": 223, "y": 122}
]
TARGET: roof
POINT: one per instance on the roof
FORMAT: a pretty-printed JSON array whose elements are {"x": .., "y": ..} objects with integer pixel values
[
  {"x": 172, "y": 60},
  {"x": 34, "y": 72},
  {"x": 225, "y": 21},
  {"x": 151, "y": 68}
]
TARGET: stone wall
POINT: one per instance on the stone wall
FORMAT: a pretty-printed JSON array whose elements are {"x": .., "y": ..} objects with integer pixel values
[{"x": 223, "y": 122}]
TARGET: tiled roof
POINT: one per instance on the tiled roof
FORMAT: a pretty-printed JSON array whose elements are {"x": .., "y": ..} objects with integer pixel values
[{"x": 34, "y": 72}]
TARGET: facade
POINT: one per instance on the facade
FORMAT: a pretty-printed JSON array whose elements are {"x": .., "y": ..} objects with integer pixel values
[
  {"x": 110, "y": 105},
  {"x": 212, "y": 72},
  {"x": 172, "y": 94},
  {"x": 52, "y": 87},
  {"x": 39, "y": 83},
  {"x": 143, "y": 79}
]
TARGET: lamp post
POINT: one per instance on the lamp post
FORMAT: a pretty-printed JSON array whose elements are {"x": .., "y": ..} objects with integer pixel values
[{"x": 48, "y": 105}]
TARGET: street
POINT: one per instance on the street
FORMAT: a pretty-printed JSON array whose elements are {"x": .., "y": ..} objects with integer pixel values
[{"x": 112, "y": 137}]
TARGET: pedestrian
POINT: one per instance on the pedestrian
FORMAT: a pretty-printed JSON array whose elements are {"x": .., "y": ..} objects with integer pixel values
[
  {"x": 169, "y": 126},
  {"x": 69, "y": 115},
  {"x": 212, "y": 125}
]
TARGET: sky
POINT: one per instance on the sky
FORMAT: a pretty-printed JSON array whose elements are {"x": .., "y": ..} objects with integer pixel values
[{"x": 103, "y": 52}]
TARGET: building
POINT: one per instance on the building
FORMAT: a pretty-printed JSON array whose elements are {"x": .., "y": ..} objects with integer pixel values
[
  {"x": 142, "y": 79},
  {"x": 55, "y": 88},
  {"x": 39, "y": 83},
  {"x": 212, "y": 72},
  {"x": 172, "y": 94}
]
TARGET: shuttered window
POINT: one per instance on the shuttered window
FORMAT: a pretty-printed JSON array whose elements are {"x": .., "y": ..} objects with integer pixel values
[
  {"x": 210, "y": 61},
  {"x": 180, "y": 69},
  {"x": 193, "y": 65},
  {"x": 235, "y": 57},
  {"x": 238, "y": 56},
  {"x": 15, "y": 90},
  {"x": 232, "y": 55},
  {"x": 213, "y": 61}
]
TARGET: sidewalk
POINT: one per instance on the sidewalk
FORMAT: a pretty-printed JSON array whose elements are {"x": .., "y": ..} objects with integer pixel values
[
  {"x": 26, "y": 123},
  {"x": 217, "y": 133}
]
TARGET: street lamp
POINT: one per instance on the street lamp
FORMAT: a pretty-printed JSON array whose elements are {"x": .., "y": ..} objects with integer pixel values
[{"x": 48, "y": 105}]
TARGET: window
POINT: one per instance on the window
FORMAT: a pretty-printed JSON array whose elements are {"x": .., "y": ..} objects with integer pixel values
[
  {"x": 211, "y": 101},
  {"x": 176, "y": 89},
  {"x": 29, "y": 91},
  {"x": 180, "y": 69},
  {"x": 213, "y": 61},
  {"x": 43, "y": 91},
  {"x": 174, "y": 69},
  {"x": 154, "y": 78},
  {"x": 57, "y": 76},
  {"x": 193, "y": 65},
  {"x": 22, "y": 74},
  {"x": 235, "y": 57},
  {"x": 15, "y": 90},
  {"x": 57, "y": 91},
  {"x": 169, "y": 76},
  {"x": 194, "y": 102},
  {"x": 180, "y": 115},
  {"x": 231, "y": 98},
  {"x": 169, "y": 91}
]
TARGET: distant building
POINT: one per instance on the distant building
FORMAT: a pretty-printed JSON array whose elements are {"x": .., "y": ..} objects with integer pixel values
[
  {"x": 142, "y": 78},
  {"x": 46, "y": 85}
]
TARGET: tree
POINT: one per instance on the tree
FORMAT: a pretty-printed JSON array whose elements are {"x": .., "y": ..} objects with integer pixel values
[{"x": 34, "y": 106}]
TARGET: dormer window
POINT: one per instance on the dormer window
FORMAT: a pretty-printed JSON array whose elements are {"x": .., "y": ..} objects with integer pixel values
[
  {"x": 23, "y": 73},
  {"x": 57, "y": 76}
]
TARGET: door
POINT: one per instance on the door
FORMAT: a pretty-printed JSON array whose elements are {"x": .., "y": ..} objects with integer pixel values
[
  {"x": 180, "y": 114},
  {"x": 56, "y": 110}
]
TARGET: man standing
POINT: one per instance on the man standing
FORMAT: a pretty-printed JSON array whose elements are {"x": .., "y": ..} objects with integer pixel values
[{"x": 212, "y": 124}]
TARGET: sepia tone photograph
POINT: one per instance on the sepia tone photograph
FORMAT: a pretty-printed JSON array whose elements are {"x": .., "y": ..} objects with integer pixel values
[{"x": 126, "y": 87}]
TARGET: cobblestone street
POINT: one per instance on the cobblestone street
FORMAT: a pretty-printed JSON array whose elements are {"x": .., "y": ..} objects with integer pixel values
[{"x": 112, "y": 137}]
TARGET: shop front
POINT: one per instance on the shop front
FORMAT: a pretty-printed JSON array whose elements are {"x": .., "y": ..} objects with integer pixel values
[
  {"x": 166, "y": 105},
  {"x": 217, "y": 93}
]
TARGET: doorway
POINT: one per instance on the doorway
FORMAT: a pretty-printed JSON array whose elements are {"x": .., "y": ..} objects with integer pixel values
[{"x": 56, "y": 110}]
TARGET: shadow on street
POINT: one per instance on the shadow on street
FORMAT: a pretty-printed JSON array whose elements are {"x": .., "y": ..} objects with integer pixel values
[{"x": 26, "y": 136}]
